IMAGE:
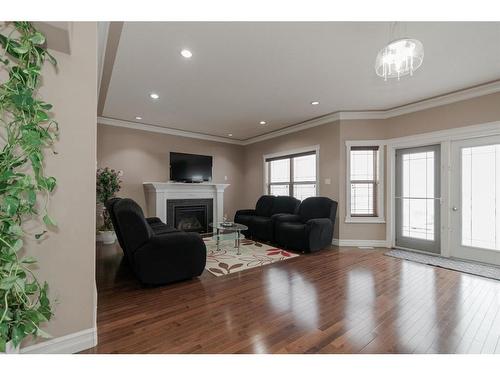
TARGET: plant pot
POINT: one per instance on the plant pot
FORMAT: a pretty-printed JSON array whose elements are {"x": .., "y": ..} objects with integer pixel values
[
  {"x": 107, "y": 237},
  {"x": 11, "y": 349}
]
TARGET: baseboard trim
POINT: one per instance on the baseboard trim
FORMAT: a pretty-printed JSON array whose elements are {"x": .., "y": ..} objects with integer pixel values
[
  {"x": 68, "y": 344},
  {"x": 356, "y": 243}
]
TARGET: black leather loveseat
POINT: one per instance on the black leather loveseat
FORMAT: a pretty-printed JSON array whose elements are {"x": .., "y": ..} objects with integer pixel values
[
  {"x": 310, "y": 229},
  {"x": 260, "y": 221},
  {"x": 156, "y": 253}
]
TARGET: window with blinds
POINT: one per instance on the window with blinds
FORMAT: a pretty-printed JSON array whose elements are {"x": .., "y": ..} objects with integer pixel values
[
  {"x": 364, "y": 181},
  {"x": 293, "y": 175}
]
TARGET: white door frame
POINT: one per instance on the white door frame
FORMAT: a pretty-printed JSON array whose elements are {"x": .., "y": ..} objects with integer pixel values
[
  {"x": 444, "y": 138},
  {"x": 456, "y": 248}
]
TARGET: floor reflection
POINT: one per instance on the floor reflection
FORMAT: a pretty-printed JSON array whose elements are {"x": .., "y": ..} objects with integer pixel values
[
  {"x": 416, "y": 304},
  {"x": 288, "y": 291},
  {"x": 359, "y": 308}
]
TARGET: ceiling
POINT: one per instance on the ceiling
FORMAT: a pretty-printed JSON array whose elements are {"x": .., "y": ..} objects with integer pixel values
[{"x": 242, "y": 73}]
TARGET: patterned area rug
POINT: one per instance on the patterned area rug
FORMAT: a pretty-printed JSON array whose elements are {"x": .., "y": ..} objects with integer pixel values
[
  {"x": 477, "y": 269},
  {"x": 253, "y": 254}
]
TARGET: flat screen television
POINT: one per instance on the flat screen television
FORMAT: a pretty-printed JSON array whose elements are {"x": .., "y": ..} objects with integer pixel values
[{"x": 190, "y": 167}]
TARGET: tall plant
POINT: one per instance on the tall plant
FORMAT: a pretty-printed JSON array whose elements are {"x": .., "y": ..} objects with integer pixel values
[
  {"x": 26, "y": 131},
  {"x": 107, "y": 185}
]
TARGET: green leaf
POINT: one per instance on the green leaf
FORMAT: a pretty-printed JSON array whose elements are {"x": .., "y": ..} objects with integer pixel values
[
  {"x": 2, "y": 344},
  {"x": 18, "y": 334},
  {"x": 17, "y": 245},
  {"x": 37, "y": 38},
  {"x": 7, "y": 282},
  {"x": 16, "y": 230},
  {"x": 21, "y": 50},
  {"x": 11, "y": 205},
  {"x": 49, "y": 221},
  {"x": 42, "y": 116},
  {"x": 43, "y": 334},
  {"x": 28, "y": 260}
]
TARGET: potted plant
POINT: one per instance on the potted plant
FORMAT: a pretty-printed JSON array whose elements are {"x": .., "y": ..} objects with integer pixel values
[
  {"x": 108, "y": 184},
  {"x": 26, "y": 133}
]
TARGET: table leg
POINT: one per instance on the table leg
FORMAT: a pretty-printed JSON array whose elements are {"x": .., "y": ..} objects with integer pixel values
[
  {"x": 218, "y": 239},
  {"x": 237, "y": 242}
]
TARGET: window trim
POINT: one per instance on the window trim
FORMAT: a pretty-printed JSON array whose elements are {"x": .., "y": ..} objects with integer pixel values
[
  {"x": 379, "y": 196},
  {"x": 284, "y": 154}
]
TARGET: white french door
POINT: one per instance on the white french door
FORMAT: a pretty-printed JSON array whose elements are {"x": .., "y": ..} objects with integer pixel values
[
  {"x": 418, "y": 198},
  {"x": 475, "y": 199}
]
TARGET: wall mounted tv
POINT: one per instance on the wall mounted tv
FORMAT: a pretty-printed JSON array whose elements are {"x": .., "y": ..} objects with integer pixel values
[{"x": 190, "y": 167}]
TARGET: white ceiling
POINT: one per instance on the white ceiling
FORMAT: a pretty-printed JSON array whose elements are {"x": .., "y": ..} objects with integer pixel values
[{"x": 242, "y": 73}]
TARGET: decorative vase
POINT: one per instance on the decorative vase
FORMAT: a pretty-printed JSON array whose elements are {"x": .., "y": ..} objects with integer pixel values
[
  {"x": 107, "y": 237},
  {"x": 11, "y": 349}
]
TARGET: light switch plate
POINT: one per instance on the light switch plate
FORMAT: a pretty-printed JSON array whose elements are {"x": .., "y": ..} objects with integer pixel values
[{"x": 328, "y": 181}]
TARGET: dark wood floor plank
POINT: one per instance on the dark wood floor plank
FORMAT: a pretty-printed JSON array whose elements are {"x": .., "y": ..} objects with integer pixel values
[{"x": 340, "y": 300}]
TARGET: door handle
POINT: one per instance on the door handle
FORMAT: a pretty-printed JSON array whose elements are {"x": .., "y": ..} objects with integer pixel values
[{"x": 454, "y": 208}]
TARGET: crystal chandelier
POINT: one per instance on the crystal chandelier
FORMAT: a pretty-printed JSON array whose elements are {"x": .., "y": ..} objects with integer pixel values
[{"x": 399, "y": 58}]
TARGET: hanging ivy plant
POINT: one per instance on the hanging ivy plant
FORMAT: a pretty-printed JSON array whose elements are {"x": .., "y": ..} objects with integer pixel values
[{"x": 26, "y": 131}]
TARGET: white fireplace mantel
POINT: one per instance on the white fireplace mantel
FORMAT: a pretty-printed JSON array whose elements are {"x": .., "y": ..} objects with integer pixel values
[{"x": 157, "y": 194}]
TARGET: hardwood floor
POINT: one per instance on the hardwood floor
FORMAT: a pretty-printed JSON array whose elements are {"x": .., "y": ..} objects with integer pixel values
[{"x": 343, "y": 300}]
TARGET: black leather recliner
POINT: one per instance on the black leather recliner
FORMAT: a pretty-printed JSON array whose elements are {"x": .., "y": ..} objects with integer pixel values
[
  {"x": 311, "y": 229},
  {"x": 260, "y": 221},
  {"x": 157, "y": 254}
]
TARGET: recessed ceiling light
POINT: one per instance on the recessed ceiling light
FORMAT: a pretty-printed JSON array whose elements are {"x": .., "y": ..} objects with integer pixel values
[
  {"x": 230, "y": 134},
  {"x": 263, "y": 123},
  {"x": 315, "y": 103},
  {"x": 154, "y": 96},
  {"x": 186, "y": 53},
  {"x": 138, "y": 117}
]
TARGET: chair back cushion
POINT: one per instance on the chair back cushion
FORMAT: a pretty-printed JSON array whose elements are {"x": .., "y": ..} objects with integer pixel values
[
  {"x": 110, "y": 206},
  {"x": 264, "y": 206},
  {"x": 317, "y": 208},
  {"x": 133, "y": 228},
  {"x": 285, "y": 205}
]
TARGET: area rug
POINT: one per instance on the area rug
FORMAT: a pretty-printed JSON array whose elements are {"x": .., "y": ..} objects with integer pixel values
[
  {"x": 253, "y": 254},
  {"x": 477, "y": 269}
]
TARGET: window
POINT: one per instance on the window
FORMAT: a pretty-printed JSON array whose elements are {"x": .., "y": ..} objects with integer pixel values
[
  {"x": 364, "y": 188},
  {"x": 292, "y": 174}
]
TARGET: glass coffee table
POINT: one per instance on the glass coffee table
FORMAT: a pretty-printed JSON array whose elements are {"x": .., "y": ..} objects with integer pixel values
[{"x": 236, "y": 228}]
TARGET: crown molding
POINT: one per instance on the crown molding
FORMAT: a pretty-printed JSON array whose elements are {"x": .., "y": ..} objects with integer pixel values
[
  {"x": 162, "y": 130},
  {"x": 294, "y": 128},
  {"x": 457, "y": 96}
]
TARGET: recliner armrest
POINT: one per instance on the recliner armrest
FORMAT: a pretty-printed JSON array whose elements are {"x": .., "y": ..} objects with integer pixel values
[
  {"x": 250, "y": 212},
  {"x": 282, "y": 218},
  {"x": 153, "y": 220}
]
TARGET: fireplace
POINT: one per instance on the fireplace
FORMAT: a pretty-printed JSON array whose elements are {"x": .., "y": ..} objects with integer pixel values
[{"x": 190, "y": 215}]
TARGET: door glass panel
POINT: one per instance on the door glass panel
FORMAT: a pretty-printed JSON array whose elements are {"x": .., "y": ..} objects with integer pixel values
[
  {"x": 480, "y": 167},
  {"x": 418, "y": 195}
]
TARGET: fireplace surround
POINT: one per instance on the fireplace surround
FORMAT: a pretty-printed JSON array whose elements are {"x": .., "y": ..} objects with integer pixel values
[
  {"x": 159, "y": 193},
  {"x": 190, "y": 215}
]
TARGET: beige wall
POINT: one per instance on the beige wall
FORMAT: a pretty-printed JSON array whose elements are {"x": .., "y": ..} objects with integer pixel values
[
  {"x": 67, "y": 255},
  {"x": 244, "y": 165},
  {"x": 144, "y": 156},
  {"x": 326, "y": 136},
  {"x": 332, "y": 137}
]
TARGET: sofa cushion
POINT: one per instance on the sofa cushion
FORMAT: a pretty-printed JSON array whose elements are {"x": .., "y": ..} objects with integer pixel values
[
  {"x": 134, "y": 229},
  {"x": 315, "y": 208},
  {"x": 262, "y": 228},
  {"x": 264, "y": 206},
  {"x": 292, "y": 235},
  {"x": 285, "y": 205}
]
